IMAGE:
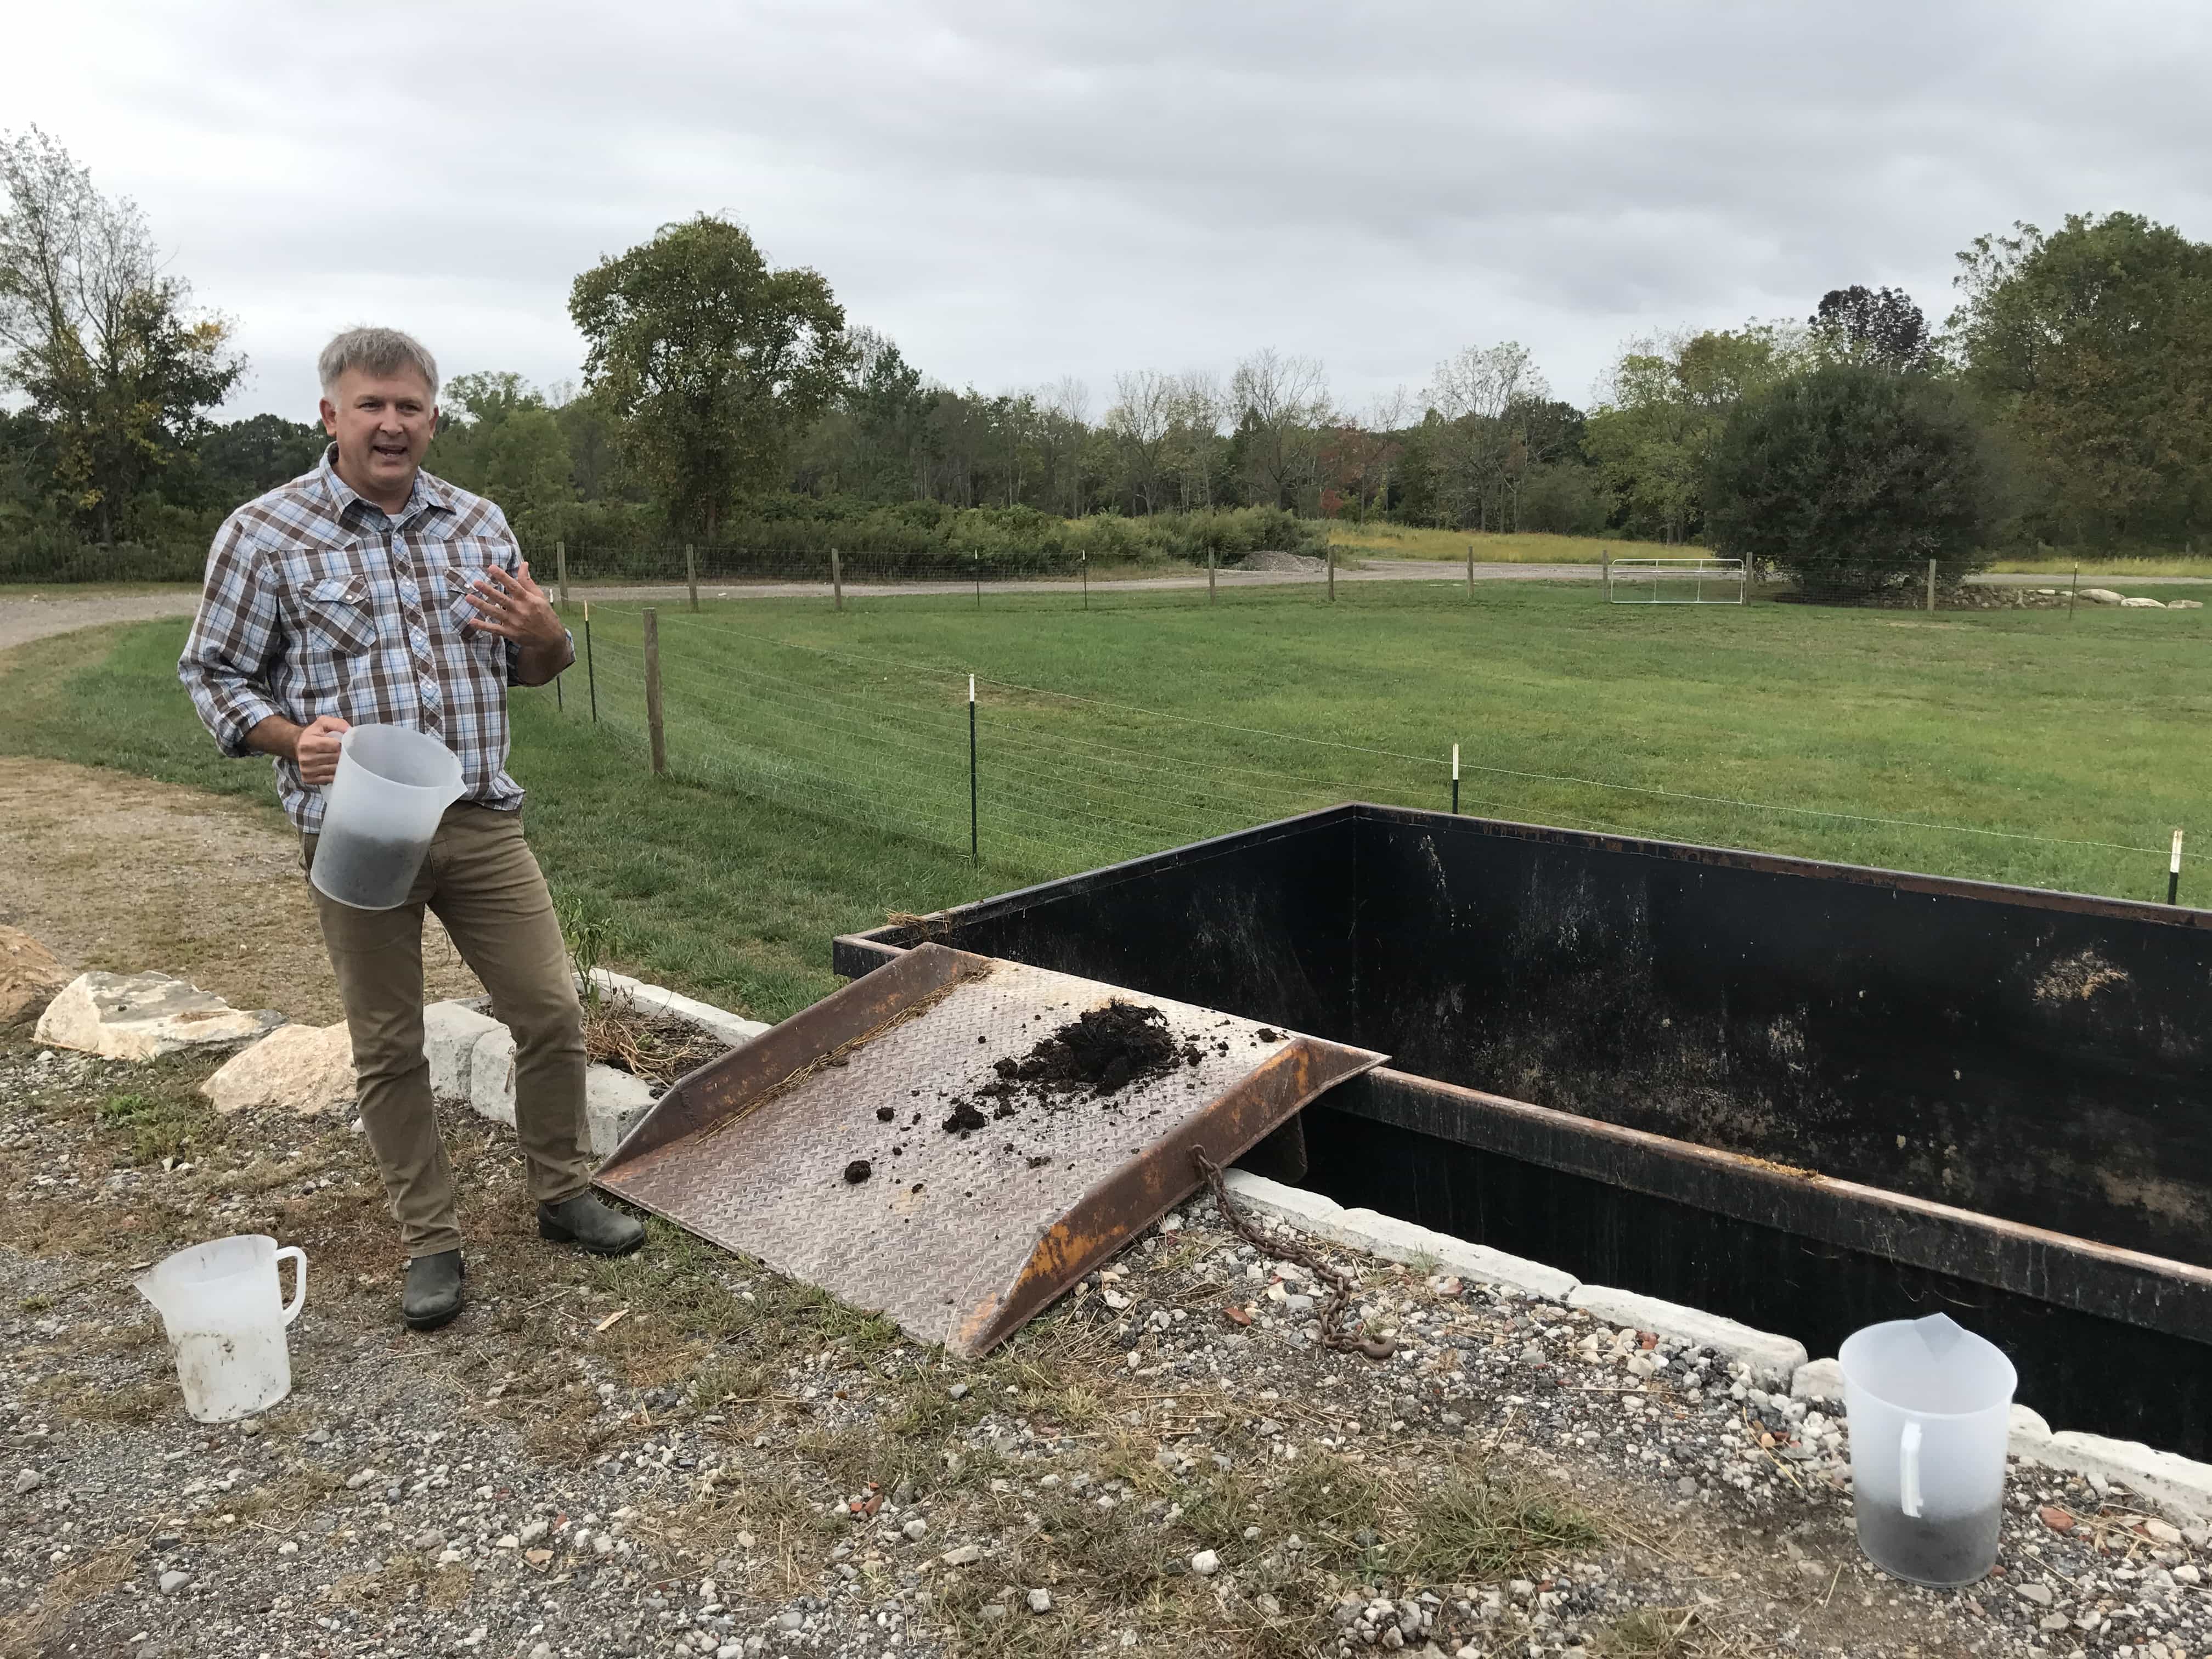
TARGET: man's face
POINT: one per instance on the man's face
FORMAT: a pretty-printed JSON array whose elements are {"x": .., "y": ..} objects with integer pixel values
[{"x": 382, "y": 425}]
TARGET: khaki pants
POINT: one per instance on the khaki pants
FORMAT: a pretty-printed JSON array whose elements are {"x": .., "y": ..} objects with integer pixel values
[{"x": 481, "y": 880}]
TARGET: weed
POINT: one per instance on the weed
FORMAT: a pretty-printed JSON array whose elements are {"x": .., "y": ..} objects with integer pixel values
[
  {"x": 1653, "y": 1634},
  {"x": 157, "y": 1126},
  {"x": 1490, "y": 1522}
]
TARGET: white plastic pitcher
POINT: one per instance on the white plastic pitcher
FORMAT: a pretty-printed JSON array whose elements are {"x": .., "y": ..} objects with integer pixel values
[
  {"x": 393, "y": 784},
  {"x": 225, "y": 1320},
  {"x": 1930, "y": 1405}
]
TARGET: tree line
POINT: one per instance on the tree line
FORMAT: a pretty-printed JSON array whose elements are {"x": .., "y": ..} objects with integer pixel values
[{"x": 723, "y": 398}]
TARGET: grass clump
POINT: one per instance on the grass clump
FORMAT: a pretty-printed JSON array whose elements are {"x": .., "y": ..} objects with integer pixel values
[{"x": 1490, "y": 1522}]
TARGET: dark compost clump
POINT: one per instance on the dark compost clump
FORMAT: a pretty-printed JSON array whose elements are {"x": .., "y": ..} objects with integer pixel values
[
  {"x": 1102, "y": 1050},
  {"x": 1093, "y": 1057}
]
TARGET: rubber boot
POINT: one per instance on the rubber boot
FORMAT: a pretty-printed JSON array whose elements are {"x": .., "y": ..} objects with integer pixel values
[
  {"x": 589, "y": 1224},
  {"x": 432, "y": 1292}
]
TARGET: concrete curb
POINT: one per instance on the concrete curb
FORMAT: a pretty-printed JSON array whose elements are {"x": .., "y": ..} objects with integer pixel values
[
  {"x": 1768, "y": 1360},
  {"x": 2179, "y": 1486},
  {"x": 472, "y": 1058},
  {"x": 1376, "y": 1234}
]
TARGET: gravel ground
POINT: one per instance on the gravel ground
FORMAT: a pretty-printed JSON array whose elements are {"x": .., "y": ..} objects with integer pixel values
[{"x": 682, "y": 1453}]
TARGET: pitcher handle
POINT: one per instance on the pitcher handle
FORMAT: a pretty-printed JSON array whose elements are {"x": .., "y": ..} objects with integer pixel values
[
  {"x": 299, "y": 1279},
  {"x": 1909, "y": 1470}
]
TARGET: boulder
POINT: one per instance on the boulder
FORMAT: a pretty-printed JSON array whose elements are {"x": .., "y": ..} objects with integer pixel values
[
  {"x": 2102, "y": 596},
  {"x": 305, "y": 1069},
  {"x": 2139, "y": 602},
  {"x": 2184, "y": 605},
  {"x": 29, "y": 976},
  {"x": 145, "y": 1016}
]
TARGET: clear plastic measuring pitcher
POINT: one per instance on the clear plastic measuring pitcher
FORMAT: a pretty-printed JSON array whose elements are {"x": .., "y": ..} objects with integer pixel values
[
  {"x": 1929, "y": 1406},
  {"x": 393, "y": 786},
  {"x": 225, "y": 1321}
]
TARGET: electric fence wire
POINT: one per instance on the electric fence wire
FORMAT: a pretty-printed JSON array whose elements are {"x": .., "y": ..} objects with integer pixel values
[{"x": 1646, "y": 791}]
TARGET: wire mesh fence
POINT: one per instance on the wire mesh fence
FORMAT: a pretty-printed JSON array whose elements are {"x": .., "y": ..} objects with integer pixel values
[{"x": 1058, "y": 782}]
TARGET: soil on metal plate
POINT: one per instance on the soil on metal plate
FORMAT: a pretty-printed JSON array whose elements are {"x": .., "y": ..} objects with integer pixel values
[{"x": 1094, "y": 1056}]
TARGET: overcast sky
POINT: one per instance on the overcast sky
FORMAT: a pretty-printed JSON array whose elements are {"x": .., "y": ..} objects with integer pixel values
[{"x": 1015, "y": 191}]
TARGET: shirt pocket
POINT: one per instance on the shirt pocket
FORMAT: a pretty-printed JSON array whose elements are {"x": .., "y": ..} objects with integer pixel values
[
  {"x": 337, "y": 610},
  {"x": 462, "y": 562}
]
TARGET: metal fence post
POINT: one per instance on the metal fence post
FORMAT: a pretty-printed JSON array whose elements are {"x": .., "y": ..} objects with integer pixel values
[
  {"x": 561, "y": 567},
  {"x": 1604, "y": 570},
  {"x": 1209, "y": 576},
  {"x": 590, "y": 670},
  {"x": 836, "y": 580},
  {"x": 1331, "y": 572},
  {"x": 691, "y": 573},
  {"x": 1932, "y": 584},
  {"x": 2173, "y": 871},
  {"x": 975, "y": 834},
  {"x": 1470, "y": 572},
  {"x": 978, "y": 557},
  {"x": 1084, "y": 558},
  {"x": 653, "y": 691},
  {"x": 1454, "y": 780}
]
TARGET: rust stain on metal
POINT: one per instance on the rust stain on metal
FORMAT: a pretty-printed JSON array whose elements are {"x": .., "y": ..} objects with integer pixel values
[{"x": 961, "y": 1239}]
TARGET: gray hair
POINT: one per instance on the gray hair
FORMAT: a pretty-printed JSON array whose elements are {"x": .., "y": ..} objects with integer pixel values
[{"x": 378, "y": 351}]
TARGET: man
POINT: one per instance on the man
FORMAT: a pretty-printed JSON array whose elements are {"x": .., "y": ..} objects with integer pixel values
[{"x": 369, "y": 591}]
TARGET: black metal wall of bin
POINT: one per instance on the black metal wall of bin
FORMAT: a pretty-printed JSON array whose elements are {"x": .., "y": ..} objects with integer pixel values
[{"x": 2026, "y": 1056}]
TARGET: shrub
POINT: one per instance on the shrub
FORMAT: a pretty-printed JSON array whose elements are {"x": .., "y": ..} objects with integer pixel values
[{"x": 1850, "y": 478}]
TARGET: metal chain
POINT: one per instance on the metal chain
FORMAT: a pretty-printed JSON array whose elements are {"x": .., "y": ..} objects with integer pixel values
[{"x": 1344, "y": 1338}]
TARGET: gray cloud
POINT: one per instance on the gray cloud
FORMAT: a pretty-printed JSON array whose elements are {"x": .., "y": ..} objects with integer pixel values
[{"x": 1017, "y": 191}]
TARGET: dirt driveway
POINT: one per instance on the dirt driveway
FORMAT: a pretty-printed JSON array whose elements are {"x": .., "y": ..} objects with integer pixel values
[{"x": 130, "y": 875}]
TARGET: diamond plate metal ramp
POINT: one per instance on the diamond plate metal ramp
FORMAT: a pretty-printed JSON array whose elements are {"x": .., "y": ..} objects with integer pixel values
[{"x": 959, "y": 1239}]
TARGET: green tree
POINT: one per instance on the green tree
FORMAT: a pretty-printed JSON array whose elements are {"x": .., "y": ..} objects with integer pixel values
[
  {"x": 710, "y": 364},
  {"x": 497, "y": 437},
  {"x": 1881, "y": 326},
  {"x": 103, "y": 343},
  {"x": 2091, "y": 350},
  {"x": 1654, "y": 428},
  {"x": 240, "y": 459},
  {"x": 1851, "y": 477}
]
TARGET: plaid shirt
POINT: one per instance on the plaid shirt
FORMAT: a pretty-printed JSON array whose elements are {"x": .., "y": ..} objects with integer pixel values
[{"x": 317, "y": 602}]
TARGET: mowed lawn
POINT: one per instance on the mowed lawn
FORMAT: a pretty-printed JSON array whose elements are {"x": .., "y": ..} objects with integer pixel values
[{"x": 819, "y": 762}]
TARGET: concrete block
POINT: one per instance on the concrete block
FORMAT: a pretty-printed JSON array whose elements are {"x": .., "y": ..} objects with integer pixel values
[
  {"x": 614, "y": 1101},
  {"x": 491, "y": 1075},
  {"x": 1403, "y": 1240},
  {"x": 1292, "y": 1203},
  {"x": 1774, "y": 1360},
  {"x": 2180, "y": 1486},
  {"x": 732, "y": 1028},
  {"x": 1374, "y": 1234},
  {"x": 451, "y": 1032}
]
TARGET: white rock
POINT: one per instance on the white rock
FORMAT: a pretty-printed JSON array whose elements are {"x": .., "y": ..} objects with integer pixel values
[
  {"x": 28, "y": 1480},
  {"x": 30, "y": 974},
  {"x": 2140, "y": 602},
  {"x": 1772, "y": 1359},
  {"x": 1821, "y": 1381},
  {"x": 916, "y": 1529},
  {"x": 2184, "y": 605},
  {"x": 2102, "y": 596},
  {"x": 534, "y": 1530},
  {"x": 1040, "y": 1601},
  {"x": 1205, "y": 1564},
  {"x": 451, "y": 1032},
  {"x": 144, "y": 1016},
  {"x": 964, "y": 1556},
  {"x": 173, "y": 1581},
  {"x": 305, "y": 1069},
  {"x": 1393, "y": 1240}
]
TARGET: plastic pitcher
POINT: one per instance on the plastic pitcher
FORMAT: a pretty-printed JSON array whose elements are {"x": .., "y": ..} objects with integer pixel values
[
  {"x": 1930, "y": 1405},
  {"x": 225, "y": 1320},
  {"x": 393, "y": 784}
]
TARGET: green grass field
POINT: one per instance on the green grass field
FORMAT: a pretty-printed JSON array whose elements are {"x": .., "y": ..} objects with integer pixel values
[{"x": 819, "y": 762}]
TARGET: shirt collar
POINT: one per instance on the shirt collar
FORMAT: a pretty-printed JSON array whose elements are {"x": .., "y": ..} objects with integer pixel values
[{"x": 428, "y": 494}]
